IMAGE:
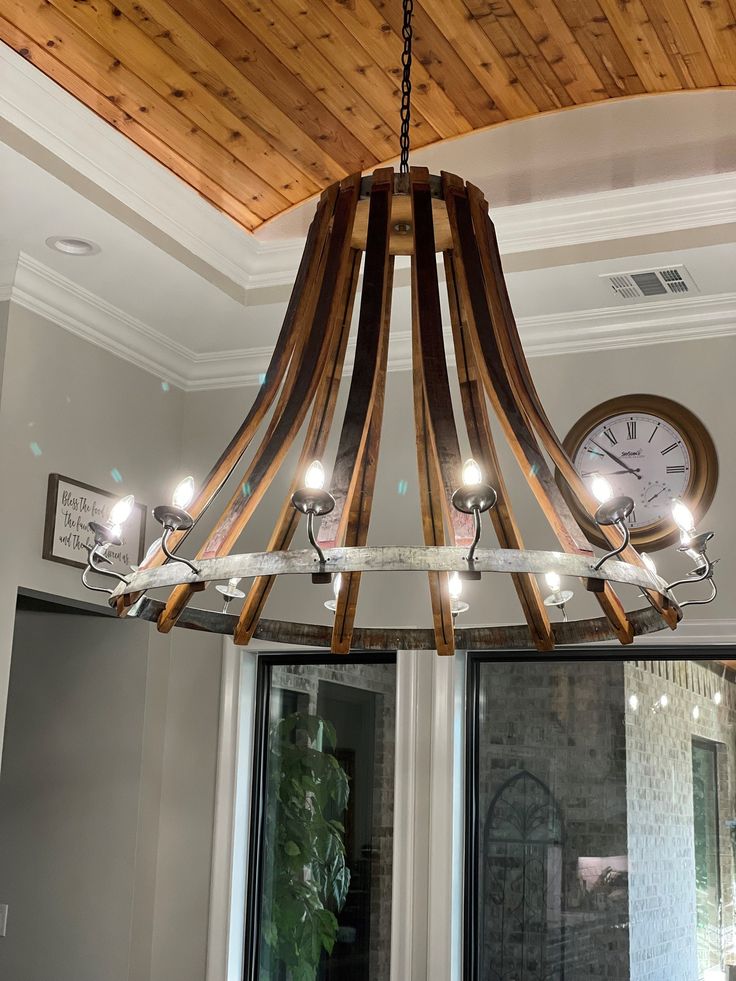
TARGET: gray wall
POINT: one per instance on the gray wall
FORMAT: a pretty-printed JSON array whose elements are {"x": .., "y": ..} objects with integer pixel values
[
  {"x": 90, "y": 412},
  {"x": 69, "y": 796}
]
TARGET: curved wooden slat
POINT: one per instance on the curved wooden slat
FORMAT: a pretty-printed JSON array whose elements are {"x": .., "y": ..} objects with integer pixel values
[
  {"x": 483, "y": 449},
  {"x": 373, "y": 323},
  {"x": 314, "y": 447},
  {"x": 361, "y": 503},
  {"x": 430, "y": 498},
  {"x": 276, "y": 444},
  {"x": 441, "y": 430},
  {"x": 484, "y": 314},
  {"x": 510, "y": 413},
  {"x": 517, "y": 369}
]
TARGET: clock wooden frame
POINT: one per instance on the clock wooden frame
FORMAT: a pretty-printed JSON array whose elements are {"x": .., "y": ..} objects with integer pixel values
[{"x": 701, "y": 486}]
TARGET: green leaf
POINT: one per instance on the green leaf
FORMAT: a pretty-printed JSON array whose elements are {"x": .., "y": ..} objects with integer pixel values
[{"x": 291, "y": 848}]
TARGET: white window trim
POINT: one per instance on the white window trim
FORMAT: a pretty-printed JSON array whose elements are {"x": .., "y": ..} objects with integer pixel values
[{"x": 426, "y": 927}]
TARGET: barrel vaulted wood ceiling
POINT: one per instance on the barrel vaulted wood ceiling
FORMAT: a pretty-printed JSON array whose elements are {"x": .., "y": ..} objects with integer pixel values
[{"x": 258, "y": 104}]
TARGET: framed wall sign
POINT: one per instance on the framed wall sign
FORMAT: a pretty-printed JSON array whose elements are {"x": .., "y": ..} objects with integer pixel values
[{"x": 70, "y": 506}]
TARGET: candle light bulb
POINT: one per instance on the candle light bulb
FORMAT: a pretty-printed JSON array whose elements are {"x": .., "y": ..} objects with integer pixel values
[
  {"x": 472, "y": 474},
  {"x": 455, "y": 586},
  {"x": 183, "y": 493},
  {"x": 122, "y": 510},
  {"x": 115, "y": 530},
  {"x": 717, "y": 697},
  {"x": 314, "y": 478},
  {"x": 683, "y": 518},
  {"x": 553, "y": 581},
  {"x": 649, "y": 562},
  {"x": 601, "y": 488},
  {"x": 336, "y": 584}
]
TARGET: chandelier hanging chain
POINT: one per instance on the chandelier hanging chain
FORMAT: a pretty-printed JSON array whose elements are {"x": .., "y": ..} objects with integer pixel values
[{"x": 406, "y": 33}]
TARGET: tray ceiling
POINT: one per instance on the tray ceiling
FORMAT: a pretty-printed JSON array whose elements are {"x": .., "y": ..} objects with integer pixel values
[{"x": 258, "y": 105}]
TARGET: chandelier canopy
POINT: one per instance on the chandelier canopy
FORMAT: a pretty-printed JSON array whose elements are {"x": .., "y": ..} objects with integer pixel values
[{"x": 360, "y": 225}]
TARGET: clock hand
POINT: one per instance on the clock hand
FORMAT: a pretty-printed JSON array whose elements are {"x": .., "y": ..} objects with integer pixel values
[
  {"x": 616, "y": 460},
  {"x": 609, "y": 473},
  {"x": 656, "y": 495}
]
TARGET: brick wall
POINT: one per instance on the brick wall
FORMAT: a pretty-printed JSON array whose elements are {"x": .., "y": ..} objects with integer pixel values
[
  {"x": 564, "y": 724},
  {"x": 660, "y": 811}
]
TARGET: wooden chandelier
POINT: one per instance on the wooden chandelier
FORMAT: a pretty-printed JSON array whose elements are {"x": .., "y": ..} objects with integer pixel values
[{"x": 365, "y": 223}]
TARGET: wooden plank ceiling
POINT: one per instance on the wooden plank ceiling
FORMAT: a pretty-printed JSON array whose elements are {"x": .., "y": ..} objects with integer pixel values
[{"x": 258, "y": 104}]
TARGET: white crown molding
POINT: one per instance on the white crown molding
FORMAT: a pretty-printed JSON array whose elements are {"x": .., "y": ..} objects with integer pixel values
[
  {"x": 55, "y": 120},
  {"x": 649, "y": 209},
  {"x": 38, "y": 288},
  {"x": 41, "y": 290}
]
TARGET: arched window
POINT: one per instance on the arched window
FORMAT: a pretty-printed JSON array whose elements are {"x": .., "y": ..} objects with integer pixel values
[{"x": 521, "y": 894}]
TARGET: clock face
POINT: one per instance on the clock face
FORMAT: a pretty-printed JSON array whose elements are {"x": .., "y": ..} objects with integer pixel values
[
  {"x": 643, "y": 457},
  {"x": 650, "y": 449}
]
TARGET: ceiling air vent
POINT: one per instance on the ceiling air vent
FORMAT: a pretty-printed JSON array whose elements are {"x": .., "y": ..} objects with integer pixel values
[{"x": 673, "y": 281}]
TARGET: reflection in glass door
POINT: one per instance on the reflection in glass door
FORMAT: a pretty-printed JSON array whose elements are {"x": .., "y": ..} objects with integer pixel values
[
  {"x": 321, "y": 895},
  {"x": 707, "y": 858}
]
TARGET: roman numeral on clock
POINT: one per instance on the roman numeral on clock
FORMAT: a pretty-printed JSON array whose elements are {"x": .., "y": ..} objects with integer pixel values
[
  {"x": 668, "y": 449},
  {"x": 680, "y": 469},
  {"x": 631, "y": 429},
  {"x": 610, "y": 437}
]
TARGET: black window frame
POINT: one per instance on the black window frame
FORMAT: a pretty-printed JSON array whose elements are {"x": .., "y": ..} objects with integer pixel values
[
  {"x": 471, "y": 829},
  {"x": 254, "y": 877}
]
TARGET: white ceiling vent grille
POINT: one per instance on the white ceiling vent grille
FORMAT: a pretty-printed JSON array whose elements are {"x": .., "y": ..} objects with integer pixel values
[{"x": 645, "y": 283}]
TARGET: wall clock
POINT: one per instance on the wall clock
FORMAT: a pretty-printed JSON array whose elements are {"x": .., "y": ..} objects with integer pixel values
[{"x": 652, "y": 450}]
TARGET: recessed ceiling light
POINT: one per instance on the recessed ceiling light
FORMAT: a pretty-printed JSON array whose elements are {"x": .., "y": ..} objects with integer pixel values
[{"x": 72, "y": 246}]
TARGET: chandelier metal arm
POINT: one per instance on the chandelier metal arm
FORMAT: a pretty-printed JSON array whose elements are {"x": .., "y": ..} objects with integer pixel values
[
  {"x": 483, "y": 448},
  {"x": 624, "y": 529},
  {"x": 516, "y": 637},
  {"x": 314, "y": 446},
  {"x": 95, "y": 589},
  {"x": 703, "y": 602},
  {"x": 295, "y": 404}
]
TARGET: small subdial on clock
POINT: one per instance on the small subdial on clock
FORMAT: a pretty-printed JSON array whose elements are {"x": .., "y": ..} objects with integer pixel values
[{"x": 655, "y": 499}]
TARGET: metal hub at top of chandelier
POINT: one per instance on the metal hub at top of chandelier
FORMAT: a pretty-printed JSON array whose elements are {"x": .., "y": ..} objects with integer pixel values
[{"x": 359, "y": 226}]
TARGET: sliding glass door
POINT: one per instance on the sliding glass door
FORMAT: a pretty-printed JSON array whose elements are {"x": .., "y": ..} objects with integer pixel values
[
  {"x": 323, "y": 830},
  {"x": 599, "y": 808}
]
